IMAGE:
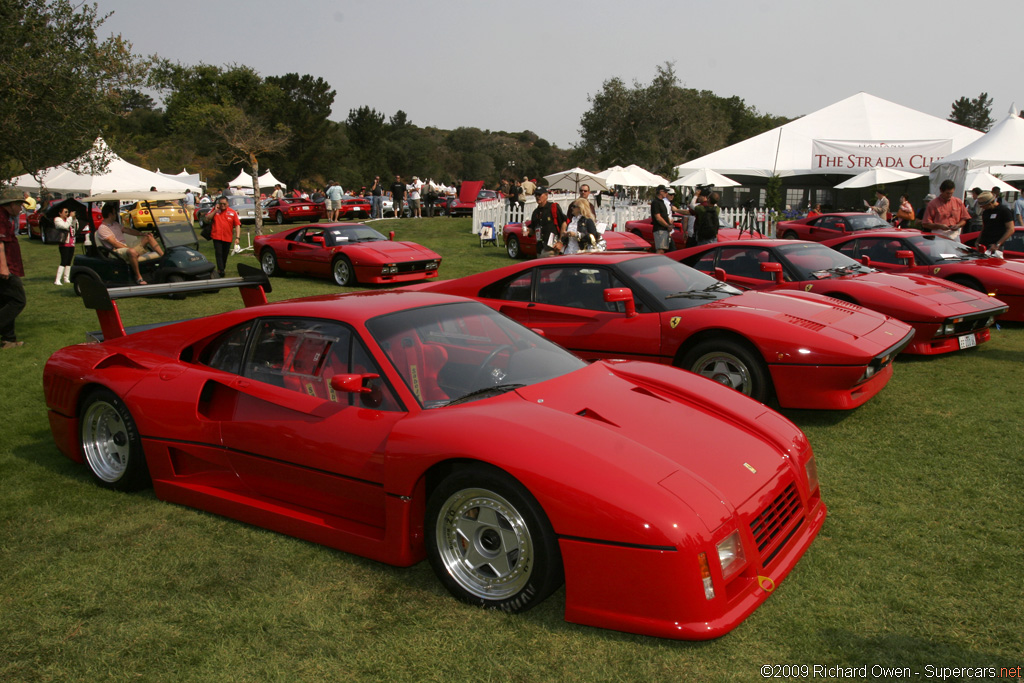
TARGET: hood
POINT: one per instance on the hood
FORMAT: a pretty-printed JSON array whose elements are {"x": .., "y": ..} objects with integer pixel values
[
  {"x": 469, "y": 190},
  {"x": 812, "y": 311},
  {"x": 399, "y": 251},
  {"x": 939, "y": 297}
]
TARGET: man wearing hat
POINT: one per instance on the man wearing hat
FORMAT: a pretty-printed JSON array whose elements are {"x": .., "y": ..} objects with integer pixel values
[
  {"x": 997, "y": 219},
  {"x": 548, "y": 222},
  {"x": 661, "y": 220},
  {"x": 12, "y": 292}
]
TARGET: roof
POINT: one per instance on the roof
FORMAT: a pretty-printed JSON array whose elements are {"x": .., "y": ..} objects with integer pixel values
[{"x": 787, "y": 150}]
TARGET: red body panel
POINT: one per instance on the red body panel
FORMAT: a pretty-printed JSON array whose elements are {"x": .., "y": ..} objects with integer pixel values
[
  {"x": 288, "y": 210},
  {"x": 645, "y": 230},
  {"x": 357, "y": 207},
  {"x": 826, "y": 226},
  {"x": 1013, "y": 248},
  {"x": 631, "y": 505}
]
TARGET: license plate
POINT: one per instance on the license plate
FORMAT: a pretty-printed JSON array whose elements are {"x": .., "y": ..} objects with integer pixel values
[
  {"x": 164, "y": 219},
  {"x": 251, "y": 213},
  {"x": 967, "y": 341}
]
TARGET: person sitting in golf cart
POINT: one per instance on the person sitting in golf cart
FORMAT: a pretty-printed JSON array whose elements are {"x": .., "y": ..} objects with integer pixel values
[{"x": 112, "y": 235}]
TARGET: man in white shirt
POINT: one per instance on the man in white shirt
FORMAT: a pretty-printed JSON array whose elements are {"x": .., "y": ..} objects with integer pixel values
[{"x": 414, "y": 198}]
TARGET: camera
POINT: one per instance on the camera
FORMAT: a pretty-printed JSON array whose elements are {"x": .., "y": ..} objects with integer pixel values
[{"x": 703, "y": 190}]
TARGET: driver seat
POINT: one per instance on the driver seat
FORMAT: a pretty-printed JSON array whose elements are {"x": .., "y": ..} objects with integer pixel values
[{"x": 419, "y": 365}]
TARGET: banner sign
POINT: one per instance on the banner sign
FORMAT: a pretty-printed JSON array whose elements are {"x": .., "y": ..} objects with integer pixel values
[{"x": 857, "y": 156}]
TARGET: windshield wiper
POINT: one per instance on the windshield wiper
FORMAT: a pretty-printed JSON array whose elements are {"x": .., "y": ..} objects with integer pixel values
[
  {"x": 693, "y": 294},
  {"x": 486, "y": 391},
  {"x": 713, "y": 286}
]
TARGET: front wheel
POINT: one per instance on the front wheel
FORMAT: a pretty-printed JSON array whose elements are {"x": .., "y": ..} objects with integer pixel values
[
  {"x": 729, "y": 363},
  {"x": 341, "y": 271},
  {"x": 789, "y": 235},
  {"x": 111, "y": 443},
  {"x": 489, "y": 541},
  {"x": 279, "y": 217},
  {"x": 512, "y": 247},
  {"x": 268, "y": 261}
]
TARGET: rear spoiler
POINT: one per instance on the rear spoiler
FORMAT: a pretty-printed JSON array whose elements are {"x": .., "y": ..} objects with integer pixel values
[{"x": 252, "y": 282}]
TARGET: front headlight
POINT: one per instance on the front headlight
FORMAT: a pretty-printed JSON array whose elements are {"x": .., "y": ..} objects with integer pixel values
[
  {"x": 730, "y": 554},
  {"x": 432, "y": 265}
]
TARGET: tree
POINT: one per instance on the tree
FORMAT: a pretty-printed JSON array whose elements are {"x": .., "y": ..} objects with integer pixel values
[
  {"x": 60, "y": 83},
  {"x": 976, "y": 113}
]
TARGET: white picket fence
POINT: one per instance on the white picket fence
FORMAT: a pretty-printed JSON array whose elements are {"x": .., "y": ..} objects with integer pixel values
[{"x": 615, "y": 216}]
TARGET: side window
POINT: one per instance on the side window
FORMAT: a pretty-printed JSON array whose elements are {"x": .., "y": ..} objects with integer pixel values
[
  {"x": 227, "y": 352},
  {"x": 1015, "y": 243},
  {"x": 515, "y": 289},
  {"x": 745, "y": 262},
  {"x": 828, "y": 222},
  {"x": 706, "y": 262},
  {"x": 851, "y": 249},
  {"x": 575, "y": 287},
  {"x": 880, "y": 250}
]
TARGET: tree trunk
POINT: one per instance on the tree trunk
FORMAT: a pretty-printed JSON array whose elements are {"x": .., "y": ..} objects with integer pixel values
[{"x": 254, "y": 165}]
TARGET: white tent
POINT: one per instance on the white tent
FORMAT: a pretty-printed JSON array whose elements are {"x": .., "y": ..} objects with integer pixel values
[
  {"x": 119, "y": 176},
  {"x": 846, "y": 138},
  {"x": 704, "y": 176},
  {"x": 980, "y": 177},
  {"x": 653, "y": 179},
  {"x": 627, "y": 177},
  {"x": 1003, "y": 144},
  {"x": 244, "y": 179},
  {"x": 185, "y": 177}
]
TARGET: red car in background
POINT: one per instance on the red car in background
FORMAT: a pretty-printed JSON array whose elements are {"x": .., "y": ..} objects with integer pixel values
[
  {"x": 347, "y": 253},
  {"x": 1013, "y": 248},
  {"x": 911, "y": 251},
  {"x": 518, "y": 245},
  {"x": 290, "y": 209},
  {"x": 354, "y": 207},
  {"x": 808, "y": 350},
  {"x": 945, "y": 316},
  {"x": 829, "y": 226},
  {"x": 470, "y": 192}
]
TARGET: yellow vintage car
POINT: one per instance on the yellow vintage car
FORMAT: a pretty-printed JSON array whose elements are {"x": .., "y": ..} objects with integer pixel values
[{"x": 141, "y": 215}]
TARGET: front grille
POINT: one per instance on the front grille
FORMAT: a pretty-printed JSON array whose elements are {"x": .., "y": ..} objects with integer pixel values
[
  {"x": 777, "y": 523},
  {"x": 970, "y": 325},
  {"x": 413, "y": 267}
]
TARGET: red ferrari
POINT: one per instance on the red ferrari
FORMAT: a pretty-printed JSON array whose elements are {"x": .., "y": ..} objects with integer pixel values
[
  {"x": 470, "y": 192},
  {"x": 291, "y": 209},
  {"x": 910, "y": 251},
  {"x": 518, "y": 245},
  {"x": 809, "y": 350},
  {"x": 354, "y": 207},
  {"x": 347, "y": 253},
  {"x": 1013, "y": 248},
  {"x": 829, "y": 226},
  {"x": 945, "y": 316},
  {"x": 368, "y": 423}
]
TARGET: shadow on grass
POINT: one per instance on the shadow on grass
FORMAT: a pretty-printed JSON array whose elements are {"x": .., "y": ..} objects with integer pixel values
[{"x": 896, "y": 651}]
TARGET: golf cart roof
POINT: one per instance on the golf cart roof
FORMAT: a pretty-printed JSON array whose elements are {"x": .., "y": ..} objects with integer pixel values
[{"x": 132, "y": 196}]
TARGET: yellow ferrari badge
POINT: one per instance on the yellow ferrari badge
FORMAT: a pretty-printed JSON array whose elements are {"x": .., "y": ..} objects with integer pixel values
[
  {"x": 936, "y": 271},
  {"x": 808, "y": 288},
  {"x": 674, "y": 321}
]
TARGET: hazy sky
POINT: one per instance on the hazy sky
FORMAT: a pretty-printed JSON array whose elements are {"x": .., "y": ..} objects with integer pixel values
[{"x": 500, "y": 65}]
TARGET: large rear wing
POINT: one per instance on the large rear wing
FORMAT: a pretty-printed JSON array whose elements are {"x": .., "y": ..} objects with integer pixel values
[{"x": 251, "y": 282}]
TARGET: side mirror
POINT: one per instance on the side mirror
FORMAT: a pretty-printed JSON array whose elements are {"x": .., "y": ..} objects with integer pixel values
[
  {"x": 841, "y": 226},
  {"x": 391, "y": 235},
  {"x": 866, "y": 260},
  {"x": 537, "y": 331},
  {"x": 352, "y": 384},
  {"x": 773, "y": 267},
  {"x": 624, "y": 294},
  {"x": 319, "y": 239},
  {"x": 907, "y": 254},
  {"x": 720, "y": 275}
]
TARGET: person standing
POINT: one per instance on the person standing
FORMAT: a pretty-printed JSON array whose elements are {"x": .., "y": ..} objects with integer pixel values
[
  {"x": 881, "y": 207},
  {"x": 278, "y": 193},
  {"x": 974, "y": 209},
  {"x": 397, "y": 195},
  {"x": 12, "y": 291},
  {"x": 189, "y": 204},
  {"x": 529, "y": 187},
  {"x": 415, "y": 210},
  {"x": 997, "y": 222},
  {"x": 905, "y": 214},
  {"x": 946, "y": 215},
  {"x": 1018, "y": 210},
  {"x": 548, "y": 223},
  {"x": 661, "y": 220},
  {"x": 376, "y": 199},
  {"x": 225, "y": 225},
  {"x": 66, "y": 224},
  {"x": 334, "y": 195}
]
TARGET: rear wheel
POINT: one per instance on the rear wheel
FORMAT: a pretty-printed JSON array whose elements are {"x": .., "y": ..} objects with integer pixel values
[
  {"x": 279, "y": 218},
  {"x": 268, "y": 261},
  {"x": 731, "y": 364},
  {"x": 512, "y": 247},
  {"x": 789, "y": 235},
  {"x": 341, "y": 271},
  {"x": 111, "y": 444}
]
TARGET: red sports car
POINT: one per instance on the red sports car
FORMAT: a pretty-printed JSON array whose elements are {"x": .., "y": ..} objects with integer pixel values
[
  {"x": 910, "y": 251},
  {"x": 518, "y": 245},
  {"x": 355, "y": 207},
  {"x": 347, "y": 253},
  {"x": 290, "y": 209},
  {"x": 470, "y": 192},
  {"x": 829, "y": 226},
  {"x": 945, "y": 316},
  {"x": 1013, "y": 248},
  {"x": 368, "y": 423},
  {"x": 814, "y": 352}
]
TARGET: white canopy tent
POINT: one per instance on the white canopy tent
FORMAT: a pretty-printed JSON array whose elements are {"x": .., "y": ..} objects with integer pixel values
[
  {"x": 185, "y": 177},
  {"x": 626, "y": 177},
  {"x": 244, "y": 179},
  {"x": 119, "y": 176},
  {"x": 573, "y": 178},
  {"x": 980, "y": 177},
  {"x": 846, "y": 138},
  {"x": 653, "y": 179},
  {"x": 1003, "y": 144},
  {"x": 704, "y": 176}
]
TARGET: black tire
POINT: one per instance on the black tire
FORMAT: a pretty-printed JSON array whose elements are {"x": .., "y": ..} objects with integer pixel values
[
  {"x": 110, "y": 443},
  {"x": 512, "y": 247},
  {"x": 279, "y": 218},
  {"x": 489, "y": 541},
  {"x": 268, "y": 262},
  {"x": 731, "y": 364},
  {"x": 342, "y": 272},
  {"x": 76, "y": 283},
  {"x": 790, "y": 235}
]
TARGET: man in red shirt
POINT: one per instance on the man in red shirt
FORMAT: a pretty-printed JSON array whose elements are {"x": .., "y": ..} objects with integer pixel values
[
  {"x": 12, "y": 291},
  {"x": 946, "y": 215},
  {"x": 225, "y": 224}
]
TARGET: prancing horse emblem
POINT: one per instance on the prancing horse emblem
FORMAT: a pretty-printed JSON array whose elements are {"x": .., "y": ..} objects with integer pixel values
[{"x": 674, "y": 321}]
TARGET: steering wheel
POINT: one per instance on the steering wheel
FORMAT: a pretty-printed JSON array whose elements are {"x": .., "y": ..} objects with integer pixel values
[{"x": 486, "y": 370}]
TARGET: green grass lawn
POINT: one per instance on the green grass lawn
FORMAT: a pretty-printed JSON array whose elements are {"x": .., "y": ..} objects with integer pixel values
[{"x": 919, "y": 563}]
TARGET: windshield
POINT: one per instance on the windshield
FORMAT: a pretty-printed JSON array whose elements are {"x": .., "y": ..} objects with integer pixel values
[
  {"x": 676, "y": 286},
  {"x": 818, "y": 262},
  {"x": 178, "y": 234},
  {"x": 464, "y": 351},
  {"x": 937, "y": 248},
  {"x": 867, "y": 222},
  {"x": 235, "y": 202},
  {"x": 356, "y": 233}
]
